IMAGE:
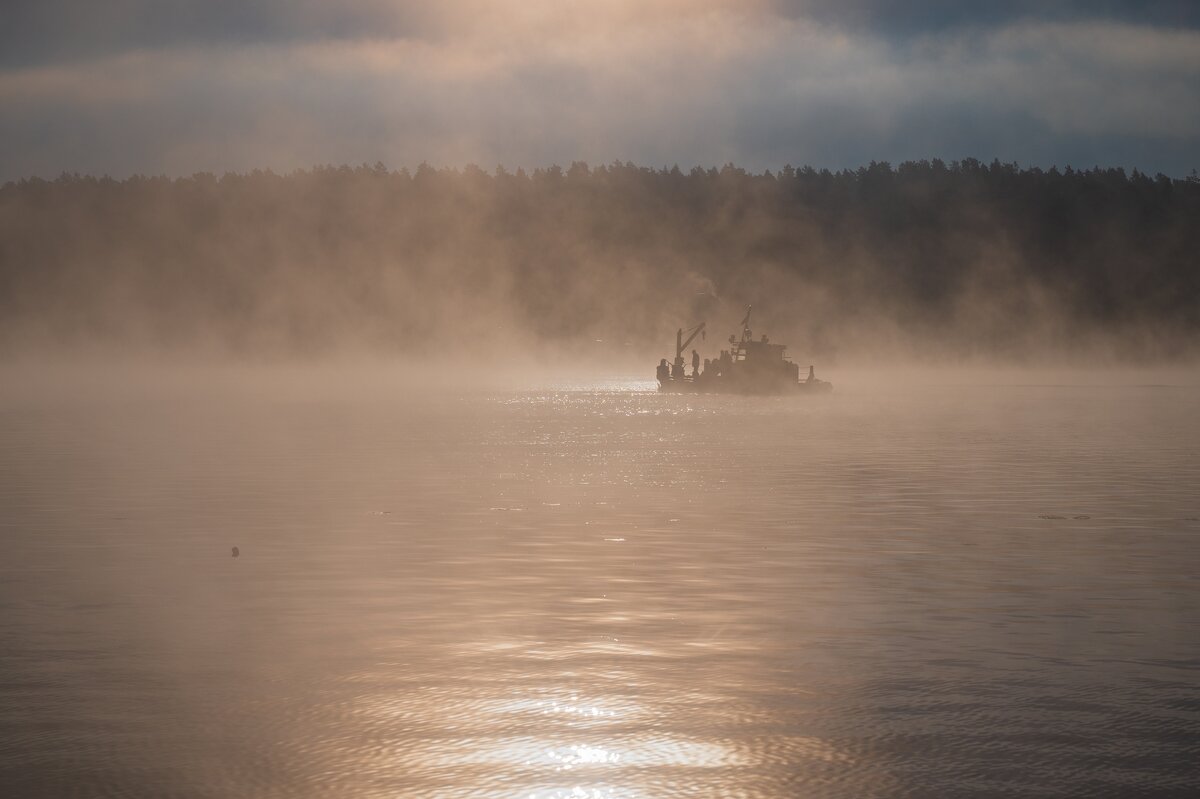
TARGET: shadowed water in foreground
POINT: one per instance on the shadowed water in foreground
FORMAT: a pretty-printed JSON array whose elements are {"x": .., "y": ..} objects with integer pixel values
[{"x": 600, "y": 592}]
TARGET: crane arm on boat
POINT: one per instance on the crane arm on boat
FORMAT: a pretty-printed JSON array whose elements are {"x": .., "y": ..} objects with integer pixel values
[{"x": 681, "y": 345}]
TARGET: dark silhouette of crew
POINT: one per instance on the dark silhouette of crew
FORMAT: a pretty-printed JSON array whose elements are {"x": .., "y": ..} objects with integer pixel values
[
  {"x": 664, "y": 371},
  {"x": 695, "y": 364}
]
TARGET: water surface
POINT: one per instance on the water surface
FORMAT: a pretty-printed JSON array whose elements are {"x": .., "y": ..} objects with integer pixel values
[{"x": 895, "y": 590}]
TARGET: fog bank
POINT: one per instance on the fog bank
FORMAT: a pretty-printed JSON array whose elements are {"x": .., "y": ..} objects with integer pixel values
[{"x": 936, "y": 262}]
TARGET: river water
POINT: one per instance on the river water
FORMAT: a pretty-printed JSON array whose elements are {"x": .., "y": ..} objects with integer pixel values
[{"x": 954, "y": 587}]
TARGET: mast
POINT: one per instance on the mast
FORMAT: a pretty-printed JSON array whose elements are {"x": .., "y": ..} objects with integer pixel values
[{"x": 681, "y": 345}]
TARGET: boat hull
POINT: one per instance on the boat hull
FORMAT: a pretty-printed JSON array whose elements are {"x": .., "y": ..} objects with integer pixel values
[{"x": 720, "y": 386}]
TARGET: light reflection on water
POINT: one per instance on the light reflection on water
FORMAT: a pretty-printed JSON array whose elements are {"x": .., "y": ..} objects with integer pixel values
[{"x": 602, "y": 593}]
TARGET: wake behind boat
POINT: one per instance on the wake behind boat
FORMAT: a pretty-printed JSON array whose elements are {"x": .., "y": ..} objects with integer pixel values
[{"x": 747, "y": 367}]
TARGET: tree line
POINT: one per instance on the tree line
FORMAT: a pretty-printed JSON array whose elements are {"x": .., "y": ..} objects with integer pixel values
[{"x": 963, "y": 257}]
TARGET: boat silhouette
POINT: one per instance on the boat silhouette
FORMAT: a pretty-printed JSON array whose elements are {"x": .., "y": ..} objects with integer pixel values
[{"x": 749, "y": 366}]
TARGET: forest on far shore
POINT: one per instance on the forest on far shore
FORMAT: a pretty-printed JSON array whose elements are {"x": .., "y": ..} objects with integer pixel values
[{"x": 947, "y": 259}]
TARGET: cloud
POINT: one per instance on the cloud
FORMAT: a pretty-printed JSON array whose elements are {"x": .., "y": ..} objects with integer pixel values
[
  {"x": 658, "y": 83},
  {"x": 921, "y": 17}
]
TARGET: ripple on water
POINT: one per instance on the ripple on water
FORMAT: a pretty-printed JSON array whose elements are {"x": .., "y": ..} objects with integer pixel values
[{"x": 598, "y": 593}]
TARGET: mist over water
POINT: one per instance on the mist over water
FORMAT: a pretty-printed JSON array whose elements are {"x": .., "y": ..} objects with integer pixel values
[
  {"x": 922, "y": 584},
  {"x": 356, "y": 482},
  {"x": 923, "y": 261}
]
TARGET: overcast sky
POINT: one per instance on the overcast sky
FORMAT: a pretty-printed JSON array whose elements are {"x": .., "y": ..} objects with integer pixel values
[{"x": 179, "y": 86}]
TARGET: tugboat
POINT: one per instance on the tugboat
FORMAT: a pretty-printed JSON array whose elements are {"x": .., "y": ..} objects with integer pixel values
[{"x": 747, "y": 367}]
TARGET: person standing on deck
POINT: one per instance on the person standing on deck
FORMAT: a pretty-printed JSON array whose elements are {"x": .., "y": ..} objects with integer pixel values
[{"x": 695, "y": 364}]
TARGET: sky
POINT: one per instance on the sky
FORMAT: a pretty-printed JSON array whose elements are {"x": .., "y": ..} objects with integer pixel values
[{"x": 182, "y": 86}]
